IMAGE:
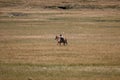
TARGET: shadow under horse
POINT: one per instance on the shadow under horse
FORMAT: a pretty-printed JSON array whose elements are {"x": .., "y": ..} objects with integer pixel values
[{"x": 61, "y": 41}]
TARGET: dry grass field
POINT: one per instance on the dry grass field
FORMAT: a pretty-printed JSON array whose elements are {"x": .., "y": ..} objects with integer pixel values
[{"x": 28, "y": 50}]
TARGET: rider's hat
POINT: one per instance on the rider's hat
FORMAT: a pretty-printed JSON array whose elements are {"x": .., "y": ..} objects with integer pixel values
[{"x": 60, "y": 34}]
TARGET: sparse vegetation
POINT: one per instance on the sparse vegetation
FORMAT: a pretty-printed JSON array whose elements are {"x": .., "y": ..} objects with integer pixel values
[
  {"x": 61, "y": 4},
  {"x": 28, "y": 50}
]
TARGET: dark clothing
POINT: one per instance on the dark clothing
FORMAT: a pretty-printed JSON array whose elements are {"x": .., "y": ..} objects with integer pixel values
[{"x": 61, "y": 39}]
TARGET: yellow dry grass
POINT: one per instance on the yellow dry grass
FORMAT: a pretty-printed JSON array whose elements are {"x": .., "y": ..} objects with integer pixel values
[{"x": 28, "y": 49}]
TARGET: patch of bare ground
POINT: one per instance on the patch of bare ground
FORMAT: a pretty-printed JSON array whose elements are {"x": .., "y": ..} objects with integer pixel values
[{"x": 28, "y": 49}]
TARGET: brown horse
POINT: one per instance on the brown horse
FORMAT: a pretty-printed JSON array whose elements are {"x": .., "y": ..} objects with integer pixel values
[{"x": 64, "y": 41}]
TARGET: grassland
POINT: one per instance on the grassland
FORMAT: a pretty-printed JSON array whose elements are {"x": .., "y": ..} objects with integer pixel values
[{"x": 28, "y": 50}]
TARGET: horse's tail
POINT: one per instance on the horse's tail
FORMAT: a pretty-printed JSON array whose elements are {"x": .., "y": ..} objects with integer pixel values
[{"x": 66, "y": 41}]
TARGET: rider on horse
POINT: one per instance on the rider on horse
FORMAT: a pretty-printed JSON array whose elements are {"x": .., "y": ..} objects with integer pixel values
[{"x": 61, "y": 38}]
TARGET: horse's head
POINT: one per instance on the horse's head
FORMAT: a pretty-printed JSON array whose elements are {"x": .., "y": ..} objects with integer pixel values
[{"x": 56, "y": 38}]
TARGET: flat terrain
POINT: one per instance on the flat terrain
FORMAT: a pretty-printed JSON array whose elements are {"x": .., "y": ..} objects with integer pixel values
[{"x": 28, "y": 50}]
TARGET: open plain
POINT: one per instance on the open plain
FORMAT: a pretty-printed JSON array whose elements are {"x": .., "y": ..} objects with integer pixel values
[{"x": 28, "y": 50}]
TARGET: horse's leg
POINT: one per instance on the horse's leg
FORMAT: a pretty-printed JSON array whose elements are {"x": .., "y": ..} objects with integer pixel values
[
  {"x": 57, "y": 43},
  {"x": 60, "y": 43},
  {"x": 64, "y": 43}
]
